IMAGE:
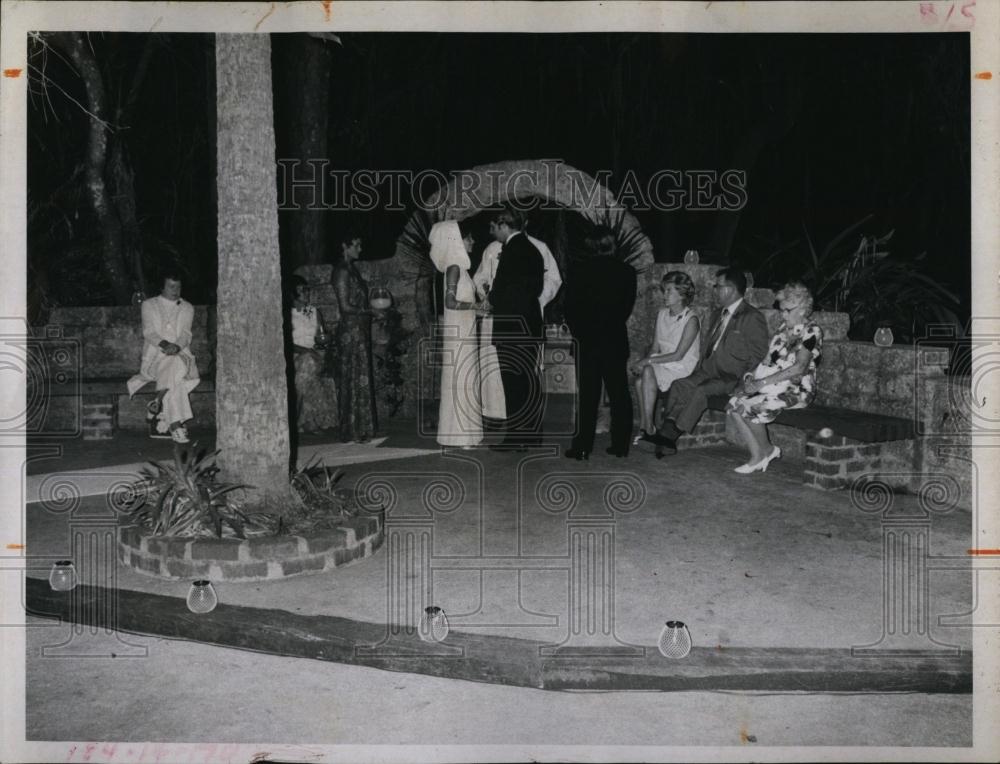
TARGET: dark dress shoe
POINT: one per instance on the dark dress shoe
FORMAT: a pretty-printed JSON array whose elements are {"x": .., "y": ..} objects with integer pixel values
[
  {"x": 662, "y": 441},
  {"x": 619, "y": 452},
  {"x": 667, "y": 448},
  {"x": 576, "y": 453}
]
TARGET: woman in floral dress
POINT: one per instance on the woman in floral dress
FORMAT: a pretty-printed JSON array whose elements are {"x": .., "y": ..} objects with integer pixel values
[
  {"x": 355, "y": 374},
  {"x": 785, "y": 379}
]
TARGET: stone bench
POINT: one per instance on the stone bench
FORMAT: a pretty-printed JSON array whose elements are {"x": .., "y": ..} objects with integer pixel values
[
  {"x": 103, "y": 406},
  {"x": 859, "y": 443}
]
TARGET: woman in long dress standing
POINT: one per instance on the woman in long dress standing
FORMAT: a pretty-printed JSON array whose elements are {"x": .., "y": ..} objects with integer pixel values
[
  {"x": 355, "y": 374},
  {"x": 460, "y": 417}
]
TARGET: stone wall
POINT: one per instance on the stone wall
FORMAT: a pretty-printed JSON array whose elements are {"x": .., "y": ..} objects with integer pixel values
[
  {"x": 865, "y": 377},
  {"x": 382, "y": 273},
  {"x": 948, "y": 422},
  {"x": 110, "y": 339}
]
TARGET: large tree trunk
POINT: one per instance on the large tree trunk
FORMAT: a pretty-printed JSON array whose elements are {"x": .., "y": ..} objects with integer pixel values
[
  {"x": 305, "y": 80},
  {"x": 79, "y": 53},
  {"x": 251, "y": 389}
]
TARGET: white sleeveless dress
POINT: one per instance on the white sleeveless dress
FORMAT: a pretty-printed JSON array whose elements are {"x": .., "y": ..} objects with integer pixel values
[{"x": 669, "y": 330}]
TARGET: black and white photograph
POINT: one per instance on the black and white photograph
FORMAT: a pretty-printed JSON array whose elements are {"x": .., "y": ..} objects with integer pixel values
[{"x": 499, "y": 381}]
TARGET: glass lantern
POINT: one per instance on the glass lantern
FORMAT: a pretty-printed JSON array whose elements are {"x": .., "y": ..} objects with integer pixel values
[
  {"x": 201, "y": 597},
  {"x": 883, "y": 337},
  {"x": 433, "y": 625},
  {"x": 62, "y": 577},
  {"x": 380, "y": 298},
  {"x": 322, "y": 338},
  {"x": 675, "y": 640}
]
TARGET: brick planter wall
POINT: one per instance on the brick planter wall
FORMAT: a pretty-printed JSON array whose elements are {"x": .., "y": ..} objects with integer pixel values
[
  {"x": 98, "y": 418},
  {"x": 710, "y": 431},
  {"x": 836, "y": 462},
  {"x": 254, "y": 559}
]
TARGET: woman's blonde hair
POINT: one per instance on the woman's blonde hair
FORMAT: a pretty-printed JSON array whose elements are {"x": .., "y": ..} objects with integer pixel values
[
  {"x": 685, "y": 286},
  {"x": 796, "y": 290}
]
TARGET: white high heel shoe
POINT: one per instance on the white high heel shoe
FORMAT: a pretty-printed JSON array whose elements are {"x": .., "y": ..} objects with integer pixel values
[{"x": 761, "y": 466}]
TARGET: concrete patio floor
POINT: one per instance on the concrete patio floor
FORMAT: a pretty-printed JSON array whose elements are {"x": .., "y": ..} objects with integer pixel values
[{"x": 744, "y": 561}]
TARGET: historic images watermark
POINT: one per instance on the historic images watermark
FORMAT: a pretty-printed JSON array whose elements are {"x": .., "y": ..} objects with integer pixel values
[
  {"x": 908, "y": 562},
  {"x": 92, "y": 551},
  {"x": 470, "y": 366},
  {"x": 50, "y": 366},
  {"x": 954, "y": 375},
  {"x": 313, "y": 185},
  {"x": 417, "y": 558}
]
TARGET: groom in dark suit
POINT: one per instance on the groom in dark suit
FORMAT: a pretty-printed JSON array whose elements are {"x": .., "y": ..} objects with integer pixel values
[
  {"x": 736, "y": 342},
  {"x": 518, "y": 329}
]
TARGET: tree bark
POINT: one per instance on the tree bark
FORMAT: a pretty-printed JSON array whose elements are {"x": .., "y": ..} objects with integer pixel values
[
  {"x": 251, "y": 388},
  {"x": 305, "y": 74},
  {"x": 79, "y": 53}
]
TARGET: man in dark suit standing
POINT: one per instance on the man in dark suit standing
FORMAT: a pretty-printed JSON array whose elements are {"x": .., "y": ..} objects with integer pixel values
[
  {"x": 518, "y": 329},
  {"x": 735, "y": 344},
  {"x": 599, "y": 300}
]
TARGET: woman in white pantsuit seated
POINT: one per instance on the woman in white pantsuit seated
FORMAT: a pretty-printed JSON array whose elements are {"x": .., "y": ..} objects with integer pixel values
[{"x": 167, "y": 361}]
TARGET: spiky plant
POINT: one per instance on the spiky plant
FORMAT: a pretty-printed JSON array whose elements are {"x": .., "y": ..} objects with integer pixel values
[{"x": 185, "y": 498}]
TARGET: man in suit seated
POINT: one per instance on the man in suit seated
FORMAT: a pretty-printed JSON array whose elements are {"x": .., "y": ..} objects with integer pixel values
[
  {"x": 517, "y": 328},
  {"x": 734, "y": 346}
]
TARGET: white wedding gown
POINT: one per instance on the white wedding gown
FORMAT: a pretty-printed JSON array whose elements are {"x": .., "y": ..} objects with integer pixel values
[{"x": 460, "y": 420}]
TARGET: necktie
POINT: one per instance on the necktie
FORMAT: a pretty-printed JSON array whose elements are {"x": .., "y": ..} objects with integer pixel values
[{"x": 717, "y": 331}]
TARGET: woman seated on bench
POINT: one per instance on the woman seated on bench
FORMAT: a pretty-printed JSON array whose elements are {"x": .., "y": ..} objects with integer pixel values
[
  {"x": 674, "y": 352},
  {"x": 785, "y": 379}
]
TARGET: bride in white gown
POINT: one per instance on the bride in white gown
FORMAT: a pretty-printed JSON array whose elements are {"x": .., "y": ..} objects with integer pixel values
[{"x": 460, "y": 418}]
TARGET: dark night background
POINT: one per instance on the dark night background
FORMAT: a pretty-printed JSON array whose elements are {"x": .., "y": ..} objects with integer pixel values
[{"x": 832, "y": 130}]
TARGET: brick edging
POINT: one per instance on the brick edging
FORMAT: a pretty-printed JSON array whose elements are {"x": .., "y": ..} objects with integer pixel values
[{"x": 255, "y": 559}]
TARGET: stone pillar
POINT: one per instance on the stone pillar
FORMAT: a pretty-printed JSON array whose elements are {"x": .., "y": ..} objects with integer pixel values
[
  {"x": 905, "y": 580},
  {"x": 94, "y": 601}
]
